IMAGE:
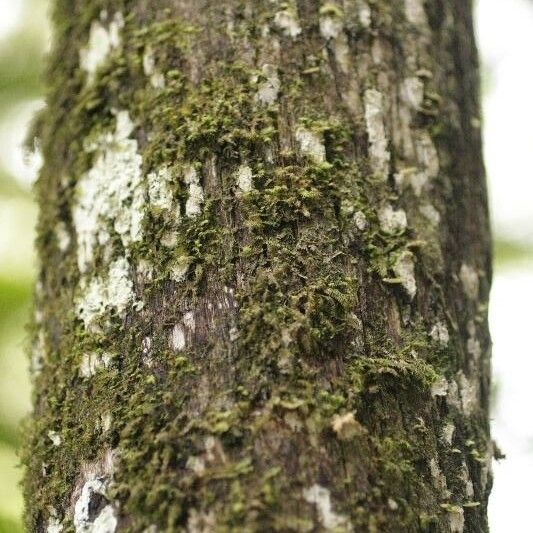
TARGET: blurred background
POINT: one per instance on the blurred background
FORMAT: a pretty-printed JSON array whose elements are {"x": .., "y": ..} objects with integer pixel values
[{"x": 505, "y": 38}]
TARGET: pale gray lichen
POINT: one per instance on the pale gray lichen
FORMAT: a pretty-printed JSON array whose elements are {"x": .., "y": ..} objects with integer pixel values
[
  {"x": 439, "y": 333},
  {"x": 244, "y": 178},
  {"x": 447, "y": 433},
  {"x": 38, "y": 353},
  {"x": 439, "y": 480},
  {"x": 54, "y": 437},
  {"x": 110, "y": 191},
  {"x": 360, "y": 220},
  {"x": 426, "y": 154},
  {"x": 457, "y": 520},
  {"x": 412, "y": 92},
  {"x": 364, "y": 13},
  {"x": 101, "y": 42},
  {"x": 346, "y": 427},
  {"x": 113, "y": 292},
  {"x": 92, "y": 362},
  {"x": 269, "y": 86},
  {"x": 415, "y": 12},
  {"x": 439, "y": 387},
  {"x": 201, "y": 522},
  {"x": 62, "y": 236},
  {"x": 413, "y": 177},
  {"x": 468, "y": 390},
  {"x": 178, "y": 271},
  {"x": 404, "y": 268},
  {"x": 157, "y": 79},
  {"x": 287, "y": 22},
  {"x": 189, "y": 321},
  {"x": 321, "y": 498},
  {"x": 430, "y": 213},
  {"x": 375, "y": 125},
  {"x": 311, "y": 144},
  {"x": 177, "y": 338},
  {"x": 84, "y": 522},
  {"x": 159, "y": 191},
  {"x": 391, "y": 220},
  {"x": 54, "y": 523},
  {"x": 470, "y": 280},
  {"x": 330, "y": 26},
  {"x": 465, "y": 477},
  {"x": 195, "y": 200},
  {"x": 473, "y": 346}
]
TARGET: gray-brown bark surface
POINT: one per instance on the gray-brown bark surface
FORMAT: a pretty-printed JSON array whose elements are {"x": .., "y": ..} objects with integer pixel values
[{"x": 265, "y": 269}]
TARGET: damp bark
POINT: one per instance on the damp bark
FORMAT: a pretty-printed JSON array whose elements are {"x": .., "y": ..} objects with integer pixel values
[{"x": 264, "y": 270}]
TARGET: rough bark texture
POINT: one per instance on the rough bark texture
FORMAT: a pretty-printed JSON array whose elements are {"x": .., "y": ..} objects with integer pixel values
[{"x": 265, "y": 269}]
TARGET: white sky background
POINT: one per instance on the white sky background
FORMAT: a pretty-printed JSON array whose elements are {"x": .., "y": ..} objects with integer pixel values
[{"x": 505, "y": 37}]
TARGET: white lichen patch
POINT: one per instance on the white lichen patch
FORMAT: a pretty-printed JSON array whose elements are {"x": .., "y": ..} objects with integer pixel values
[
  {"x": 105, "y": 522},
  {"x": 287, "y": 22},
  {"x": 244, "y": 178},
  {"x": 105, "y": 422},
  {"x": 415, "y": 12},
  {"x": 201, "y": 521},
  {"x": 54, "y": 524},
  {"x": 195, "y": 200},
  {"x": 430, "y": 213},
  {"x": 189, "y": 321},
  {"x": 426, "y": 154},
  {"x": 84, "y": 521},
  {"x": 412, "y": 92},
  {"x": 177, "y": 338},
  {"x": 346, "y": 427},
  {"x": 114, "y": 292},
  {"x": 330, "y": 26},
  {"x": 102, "y": 40},
  {"x": 470, "y": 280},
  {"x": 38, "y": 353},
  {"x": 364, "y": 14},
  {"x": 111, "y": 191},
  {"x": 439, "y": 480},
  {"x": 62, "y": 237},
  {"x": 321, "y": 498},
  {"x": 439, "y": 387},
  {"x": 439, "y": 333},
  {"x": 391, "y": 220},
  {"x": 157, "y": 79},
  {"x": 465, "y": 477},
  {"x": 196, "y": 464},
  {"x": 159, "y": 190},
  {"x": 178, "y": 272},
  {"x": 404, "y": 269},
  {"x": 473, "y": 346},
  {"x": 457, "y": 520},
  {"x": 375, "y": 126},
  {"x": 269, "y": 85},
  {"x": 311, "y": 144},
  {"x": 361, "y": 222},
  {"x": 412, "y": 177},
  {"x": 119, "y": 286},
  {"x": 169, "y": 239},
  {"x": 91, "y": 363},
  {"x": 54, "y": 437},
  {"x": 447, "y": 433},
  {"x": 342, "y": 52},
  {"x": 468, "y": 391}
]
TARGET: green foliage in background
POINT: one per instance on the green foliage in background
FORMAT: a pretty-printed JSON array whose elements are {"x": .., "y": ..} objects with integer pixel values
[{"x": 21, "y": 53}]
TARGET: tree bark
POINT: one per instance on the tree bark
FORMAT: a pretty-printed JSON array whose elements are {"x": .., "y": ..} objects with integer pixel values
[{"x": 265, "y": 265}]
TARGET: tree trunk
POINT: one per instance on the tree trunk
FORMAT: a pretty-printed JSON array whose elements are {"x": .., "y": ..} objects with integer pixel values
[{"x": 265, "y": 264}]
